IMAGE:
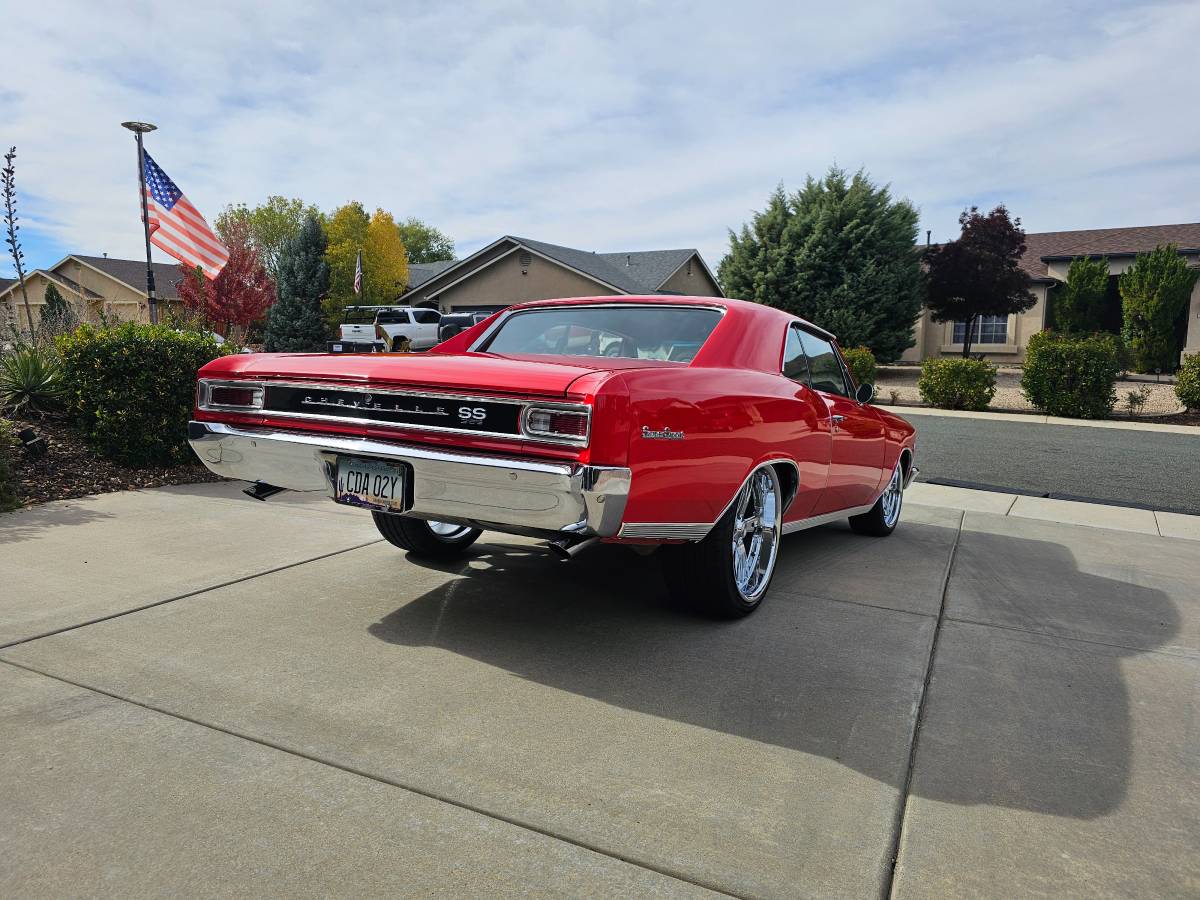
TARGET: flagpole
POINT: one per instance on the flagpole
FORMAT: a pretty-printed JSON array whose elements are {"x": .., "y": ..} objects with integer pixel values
[{"x": 138, "y": 129}]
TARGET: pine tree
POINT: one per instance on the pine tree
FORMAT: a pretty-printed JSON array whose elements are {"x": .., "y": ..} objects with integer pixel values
[
  {"x": 295, "y": 323},
  {"x": 1079, "y": 303},
  {"x": 57, "y": 314},
  {"x": 1154, "y": 294},
  {"x": 841, "y": 253}
]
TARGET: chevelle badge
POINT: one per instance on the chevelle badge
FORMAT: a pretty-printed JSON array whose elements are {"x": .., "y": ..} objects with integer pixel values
[
  {"x": 496, "y": 417},
  {"x": 665, "y": 434}
]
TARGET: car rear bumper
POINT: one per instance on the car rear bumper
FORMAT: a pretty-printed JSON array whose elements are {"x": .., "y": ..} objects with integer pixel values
[{"x": 490, "y": 491}]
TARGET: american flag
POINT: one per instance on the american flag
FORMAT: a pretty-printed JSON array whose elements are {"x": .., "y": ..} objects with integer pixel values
[
  {"x": 177, "y": 227},
  {"x": 358, "y": 274}
]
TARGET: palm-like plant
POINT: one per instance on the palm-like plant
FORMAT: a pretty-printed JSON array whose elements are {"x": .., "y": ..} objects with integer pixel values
[{"x": 30, "y": 382}]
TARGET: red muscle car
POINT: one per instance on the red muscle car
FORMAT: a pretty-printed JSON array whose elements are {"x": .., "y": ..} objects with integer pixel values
[{"x": 702, "y": 426}]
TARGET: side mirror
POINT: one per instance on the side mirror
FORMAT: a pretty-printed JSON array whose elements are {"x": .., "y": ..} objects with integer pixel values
[{"x": 865, "y": 393}]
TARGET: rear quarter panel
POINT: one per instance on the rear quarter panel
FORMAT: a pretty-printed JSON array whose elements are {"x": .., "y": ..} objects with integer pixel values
[{"x": 732, "y": 420}]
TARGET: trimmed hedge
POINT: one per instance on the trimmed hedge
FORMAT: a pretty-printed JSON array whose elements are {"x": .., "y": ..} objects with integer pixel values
[
  {"x": 1187, "y": 388},
  {"x": 8, "y": 478},
  {"x": 862, "y": 364},
  {"x": 957, "y": 383},
  {"x": 132, "y": 387},
  {"x": 1072, "y": 376}
]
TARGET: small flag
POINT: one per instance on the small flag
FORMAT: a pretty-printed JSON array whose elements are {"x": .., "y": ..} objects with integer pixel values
[
  {"x": 358, "y": 274},
  {"x": 177, "y": 227}
]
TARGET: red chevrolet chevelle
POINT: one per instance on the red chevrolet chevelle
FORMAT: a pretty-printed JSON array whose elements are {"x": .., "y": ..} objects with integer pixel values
[{"x": 711, "y": 427}]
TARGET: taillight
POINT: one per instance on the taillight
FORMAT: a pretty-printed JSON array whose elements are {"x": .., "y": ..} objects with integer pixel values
[
  {"x": 549, "y": 423},
  {"x": 230, "y": 396}
]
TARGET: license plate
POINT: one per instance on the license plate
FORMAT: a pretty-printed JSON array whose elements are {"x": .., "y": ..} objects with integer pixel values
[{"x": 369, "y": 483}]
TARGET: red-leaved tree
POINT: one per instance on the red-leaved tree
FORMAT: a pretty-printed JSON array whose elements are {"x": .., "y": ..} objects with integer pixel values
[{"x": 238, "y": 296}]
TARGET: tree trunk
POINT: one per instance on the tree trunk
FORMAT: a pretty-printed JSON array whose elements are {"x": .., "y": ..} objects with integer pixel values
[{"x": 967, "y": 337}]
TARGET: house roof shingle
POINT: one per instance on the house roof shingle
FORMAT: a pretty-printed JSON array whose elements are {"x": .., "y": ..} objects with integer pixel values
[
  {"x": 419, "y": 273},
  {"x": 635, "y": 272},
  {"x": 133, "y": 273},
  {"x": 1103, "y": 241}
]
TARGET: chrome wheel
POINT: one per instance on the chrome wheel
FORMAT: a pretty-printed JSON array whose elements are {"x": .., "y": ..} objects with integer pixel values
[
  {"x": 756, "y": 530},
  {"x": 893, "y": 497},
  {"x": 447, "y": 531}
]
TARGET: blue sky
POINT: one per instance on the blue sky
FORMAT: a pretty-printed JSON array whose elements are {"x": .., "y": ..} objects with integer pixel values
[{"x": 630, "y": 126}]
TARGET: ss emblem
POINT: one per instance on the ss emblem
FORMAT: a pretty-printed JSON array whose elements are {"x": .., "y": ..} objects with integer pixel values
[{"x": 472, "y": 413}]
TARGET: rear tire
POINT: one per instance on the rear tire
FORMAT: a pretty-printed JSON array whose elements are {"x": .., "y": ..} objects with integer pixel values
[
  {"x": 884, "y": 516},
  {"x": 727, "y": 574},
  {"x": 437, "y": 540}
]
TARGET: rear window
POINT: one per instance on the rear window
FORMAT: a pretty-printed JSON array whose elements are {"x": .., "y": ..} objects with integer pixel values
[
  {"x": 672, "y": 333},
  {"x": 393, "y": 317},
  {"x": 359, "y": 315}
]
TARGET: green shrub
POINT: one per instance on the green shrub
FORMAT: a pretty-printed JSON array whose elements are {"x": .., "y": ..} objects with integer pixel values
[
  {"x": 957, "y": 383},
  {"x": 8, "y": 477},
  {"x": 30, "y": 381},
  {"x": 862, "y": 364},
  {"x": 131, "y": 387},
  {"x": 1187, "y": 388},
  {"x": 1072, "y": 376}
]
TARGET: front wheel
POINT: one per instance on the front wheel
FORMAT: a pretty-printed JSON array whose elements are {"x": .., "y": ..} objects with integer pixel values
[
  {"x": 437, "y": 540},
  {"x": 727, "y": 574},
  {"x": 882, "y": 518}
]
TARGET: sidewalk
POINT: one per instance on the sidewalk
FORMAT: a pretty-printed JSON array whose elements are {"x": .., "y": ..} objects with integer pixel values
[
  {"x": 1063, "y": 512},
  {"x": 1041, "y": 419}
]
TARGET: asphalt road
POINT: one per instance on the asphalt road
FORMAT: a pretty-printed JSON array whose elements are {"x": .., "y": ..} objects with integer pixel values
[{"x": 1147, "y": 469}]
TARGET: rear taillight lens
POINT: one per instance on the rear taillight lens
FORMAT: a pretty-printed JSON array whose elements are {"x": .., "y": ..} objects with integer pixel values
[
  {"x": 234, "y": 396},
  {"x": 566, "y": 425}
]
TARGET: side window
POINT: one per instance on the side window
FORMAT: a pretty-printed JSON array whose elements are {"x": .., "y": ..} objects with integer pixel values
[
  {"x": 393, "y": 317},
  {"x": 825, "y": 369},
  {"x": 795, "y": 364}
]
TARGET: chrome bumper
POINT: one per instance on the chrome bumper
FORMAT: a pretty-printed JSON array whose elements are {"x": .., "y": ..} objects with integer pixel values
[{"x": 490, "y": 491}]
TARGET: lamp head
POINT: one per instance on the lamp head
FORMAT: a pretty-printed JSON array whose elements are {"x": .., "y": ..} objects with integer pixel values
[{"x": 139, "y": 127}]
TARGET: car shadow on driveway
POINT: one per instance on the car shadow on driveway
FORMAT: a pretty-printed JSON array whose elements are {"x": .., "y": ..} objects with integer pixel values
[{"x": 828, "y": 675}]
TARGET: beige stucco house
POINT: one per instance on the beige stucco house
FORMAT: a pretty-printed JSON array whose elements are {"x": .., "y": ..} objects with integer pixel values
[
  {"x": 92, "y": 284},
  {"x": 512, "y": 270},
  {"x": 1047, "y": 257}
]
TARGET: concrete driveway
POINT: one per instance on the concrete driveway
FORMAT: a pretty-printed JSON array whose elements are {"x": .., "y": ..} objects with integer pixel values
[{"x": 208, "y": 696}]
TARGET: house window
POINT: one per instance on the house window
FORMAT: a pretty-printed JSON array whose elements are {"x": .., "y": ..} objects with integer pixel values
[{"x": 988, "y": 330}]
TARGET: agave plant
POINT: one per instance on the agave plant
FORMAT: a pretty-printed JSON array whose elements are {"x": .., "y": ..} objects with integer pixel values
[{"x": 30, "y": 382}]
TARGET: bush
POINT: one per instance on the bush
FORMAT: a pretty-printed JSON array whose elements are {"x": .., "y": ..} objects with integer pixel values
[
  {"x": 862, "y": 364},
  {"x": 132, "y": 386},
  {"x": 957, "y": 383},
  {"x": 1072, "y": 376},
  {"x": 1187, "y": 388},
  {"x": 30, "y": 381},
  {"x": 8, "y": 452}
]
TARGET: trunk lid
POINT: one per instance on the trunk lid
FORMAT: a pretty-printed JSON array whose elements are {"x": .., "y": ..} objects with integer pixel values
[{"x": 479, "y": 373}]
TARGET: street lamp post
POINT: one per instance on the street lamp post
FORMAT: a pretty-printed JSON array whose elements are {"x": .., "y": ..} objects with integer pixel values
[{"x": 138, "y": 129}]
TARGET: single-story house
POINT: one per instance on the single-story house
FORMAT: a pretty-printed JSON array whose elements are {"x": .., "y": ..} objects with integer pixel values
[
  {"x": 513, "y": 270},
  {"x": 93, "y": 284},
  {"x": 1047, "y": 257}
]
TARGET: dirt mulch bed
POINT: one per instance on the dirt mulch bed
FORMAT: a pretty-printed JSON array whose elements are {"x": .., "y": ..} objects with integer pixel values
[
  {"x": 1183, "y": 418},
  {"x": 71, "y": 469}
]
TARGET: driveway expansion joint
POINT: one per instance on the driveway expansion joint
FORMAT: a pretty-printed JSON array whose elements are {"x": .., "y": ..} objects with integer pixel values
[
  {"x": 360, "y": 773},
  {"x": 186, "y": 595},
  {"x": 906, "y": 789}
]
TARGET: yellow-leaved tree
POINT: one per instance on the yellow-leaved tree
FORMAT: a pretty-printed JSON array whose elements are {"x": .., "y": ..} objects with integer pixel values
[{"x": 385, "y": 261}]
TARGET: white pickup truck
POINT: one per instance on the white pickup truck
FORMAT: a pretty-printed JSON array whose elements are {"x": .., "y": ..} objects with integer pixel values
[{"x": 386, "y": 328}]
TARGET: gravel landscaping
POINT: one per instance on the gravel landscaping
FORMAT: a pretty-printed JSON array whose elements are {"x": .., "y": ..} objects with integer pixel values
[{"x": 1160, "y": 398}]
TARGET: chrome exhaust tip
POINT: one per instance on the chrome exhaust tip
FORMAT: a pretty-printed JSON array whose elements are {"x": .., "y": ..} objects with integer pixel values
[{"x": 567, "y": 548}]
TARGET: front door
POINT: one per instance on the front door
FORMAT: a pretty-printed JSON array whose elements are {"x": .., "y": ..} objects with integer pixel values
[{"x": 857, "y": 451}]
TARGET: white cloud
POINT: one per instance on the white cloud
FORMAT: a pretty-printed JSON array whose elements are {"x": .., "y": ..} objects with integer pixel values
[{"x": 632, "y": 126}]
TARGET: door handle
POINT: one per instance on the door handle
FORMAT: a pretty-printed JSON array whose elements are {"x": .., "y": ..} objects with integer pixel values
[{"x": 837, "y": 421}]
